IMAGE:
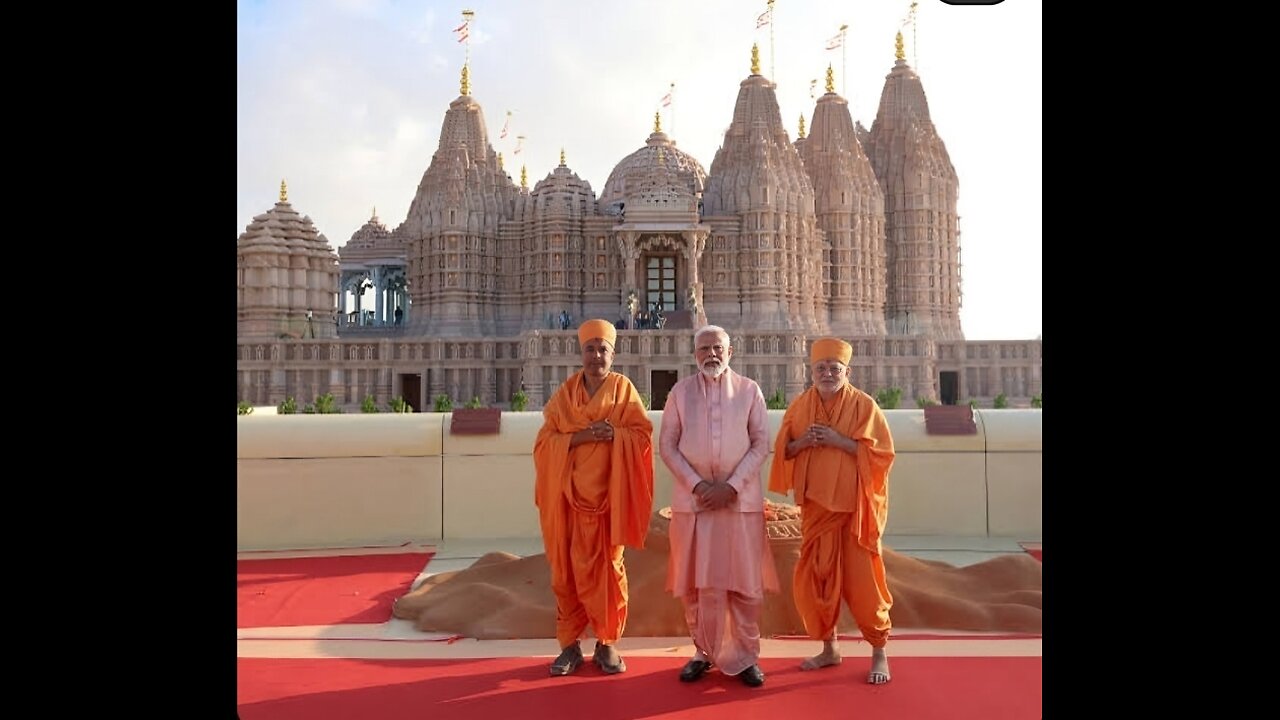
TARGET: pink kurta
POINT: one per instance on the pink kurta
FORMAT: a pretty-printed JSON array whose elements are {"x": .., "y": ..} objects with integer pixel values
[{"x": 720, "y": 562}]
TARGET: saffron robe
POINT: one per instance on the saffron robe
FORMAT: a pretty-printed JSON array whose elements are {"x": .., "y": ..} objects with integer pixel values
[
  {"x": 592, "y": 500},
  {"x": 844, "y": 501}
]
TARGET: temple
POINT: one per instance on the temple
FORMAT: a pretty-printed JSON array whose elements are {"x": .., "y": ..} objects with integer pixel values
[{"x": 478, "y": 292}]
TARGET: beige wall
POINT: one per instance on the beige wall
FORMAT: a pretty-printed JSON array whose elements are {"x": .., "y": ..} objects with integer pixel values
[{"x": 348, "y": 480}]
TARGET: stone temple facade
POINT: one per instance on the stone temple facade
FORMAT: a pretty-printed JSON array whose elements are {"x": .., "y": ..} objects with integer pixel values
[{"x": 479, "y": 291}]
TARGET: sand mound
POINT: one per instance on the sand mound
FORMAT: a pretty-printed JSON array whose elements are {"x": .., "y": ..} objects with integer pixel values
[{"x": 505, "y": 596}]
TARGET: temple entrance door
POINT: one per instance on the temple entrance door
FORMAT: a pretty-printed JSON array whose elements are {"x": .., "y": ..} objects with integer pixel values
[
  {"x": 660, "y": 283},
  {"x": 411, "y": 390},
  {"x": 661, "y": 382},
  {"x": 949, "y": 386}
]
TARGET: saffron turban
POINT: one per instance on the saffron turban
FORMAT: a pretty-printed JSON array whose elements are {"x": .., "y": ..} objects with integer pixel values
[
  {"x": 829, "y": 347},
  {"x": 598, "y": 329}
]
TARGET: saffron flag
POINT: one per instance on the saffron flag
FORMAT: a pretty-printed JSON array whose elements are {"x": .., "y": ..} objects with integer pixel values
[
  {"x": 666, "y": 100},
  {"x": 505, "y": 125},
  {"x": 463, "y": 31},
  {"x": 835, "y": 42},
  {"x": 765, "y": 18},
  {"x": 519, "y": 145}
]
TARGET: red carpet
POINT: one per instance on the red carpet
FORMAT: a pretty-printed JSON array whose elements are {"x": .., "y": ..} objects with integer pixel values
[
  {"x": 323, "y": 590},
  {"x": 923, "y": 688}
]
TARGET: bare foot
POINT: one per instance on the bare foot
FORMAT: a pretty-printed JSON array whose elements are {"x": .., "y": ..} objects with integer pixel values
[
  {"x": 828, "y": 656},
  {"x": 879, "y": 674}
]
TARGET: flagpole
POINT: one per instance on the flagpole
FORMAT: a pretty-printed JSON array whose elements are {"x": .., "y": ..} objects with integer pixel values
[
  {"x": 467, "y": 15},
  {"x": 773, "y": 73},
  {"x": 671, "y": 112},
  {"x": 844, "y": 62}
]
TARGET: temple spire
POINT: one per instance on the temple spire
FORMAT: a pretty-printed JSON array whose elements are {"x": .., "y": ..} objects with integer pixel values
[
  {"x": 755, "y": 58},
  {"x": 284, "y": 192},
  {"x": 657, "y": 121},
  {"x": 831, "y": 79},
  {"x": 466, "y": 80}
]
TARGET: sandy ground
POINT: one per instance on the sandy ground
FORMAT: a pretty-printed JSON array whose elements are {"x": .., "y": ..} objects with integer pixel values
[{"x": 504, "y": 596}]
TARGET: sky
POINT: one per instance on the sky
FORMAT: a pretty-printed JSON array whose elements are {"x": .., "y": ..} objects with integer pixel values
[{"x": 344, "y": 100}]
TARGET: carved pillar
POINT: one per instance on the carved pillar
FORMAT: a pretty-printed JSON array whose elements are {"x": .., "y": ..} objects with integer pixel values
[
  {"x": 695, "y": 241},
  {"x": 630, "y": 253}
]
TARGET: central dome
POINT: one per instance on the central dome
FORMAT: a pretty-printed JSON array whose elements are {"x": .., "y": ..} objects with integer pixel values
[{"x": 659, "y": 154}]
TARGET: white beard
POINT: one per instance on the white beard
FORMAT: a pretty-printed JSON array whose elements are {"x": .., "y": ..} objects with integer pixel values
[{"x": 714, "y": 372}]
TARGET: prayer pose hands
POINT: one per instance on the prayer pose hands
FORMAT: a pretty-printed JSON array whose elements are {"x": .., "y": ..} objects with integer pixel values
[
  {"x": 824, "y": 436},
  {"x": 600, "y": 431}
]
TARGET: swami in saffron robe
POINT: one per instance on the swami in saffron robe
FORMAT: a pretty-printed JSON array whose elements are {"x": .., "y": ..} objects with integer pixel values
[
  {"x": 593, "y": 500},
  {"x": 844, "y": 503}
]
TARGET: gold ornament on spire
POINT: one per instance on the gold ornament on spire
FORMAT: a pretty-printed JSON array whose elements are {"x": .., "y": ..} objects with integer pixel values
[
  {"x": 375, "y": 212},
  {"x": 831, "y": 79},
  {"x": 801, "y": 126},
  {"x": 561, "y": 157},
  {"x": 657, "y": 121},
  {"x": 755, "y": 59},
  {"x": 500, "y": 161},
  {"x": 284, "y": 192},
  {"x": 524, "y": 177},
  {"x": 466, "y": 80},
  {"x": 897, "y": 48},
  {"x": 662, "y": 158}
]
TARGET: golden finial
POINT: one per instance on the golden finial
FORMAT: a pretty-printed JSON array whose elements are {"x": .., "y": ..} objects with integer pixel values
[
  {"x": 755, "y": 59},
  {"x": 375, "y": 212},
  {"x": 801, "y": 126},
  {"x": 284, "y": 192},
  {"x": 466, "y": 80},
  {"x": 657, "y": 121},
  {"x": 561, "y": 157},
  {"x": 500, "y": 161},
  {"x": 897, "y": 48},
  {"x": 831, "y": 79},
  {"x": 524, "y": 177}
]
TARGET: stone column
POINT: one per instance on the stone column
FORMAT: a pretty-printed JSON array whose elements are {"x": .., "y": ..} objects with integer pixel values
[{"x": 379, "y": 290}]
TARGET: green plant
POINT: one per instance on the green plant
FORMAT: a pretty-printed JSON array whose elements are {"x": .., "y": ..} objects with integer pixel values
[
  {"x": 1001, "y": 402},
  {"x": 325, "y": 405},
  {"x": 288, "y": 407},
  {"x": 973, "y": 403},
  {"x": 370, "y": 404},
  {"x": 1036, "y": 400},
  {"x": 519, "y": 400},
  {"x": 443, "y": 403},
  {"x": 925, "y": 402},
  {"x": 776, "y": 401},
  {"x": 244, "y": 408},
  {"x": 647, "y": 399},
  {"x": 474, "y": 403},
  {"x": 889, "y": 398},
  {"x": 398, "y": 405}
]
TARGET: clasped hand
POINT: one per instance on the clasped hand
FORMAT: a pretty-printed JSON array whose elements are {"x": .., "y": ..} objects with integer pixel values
[
  {"x": 823, "y": 435},
  {"x": 713, "y": 495},
  {"x": 601, "y": 431}
]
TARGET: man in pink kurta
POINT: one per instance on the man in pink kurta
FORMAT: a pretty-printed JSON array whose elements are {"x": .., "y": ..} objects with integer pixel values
[{"x": 714, "y": 438}]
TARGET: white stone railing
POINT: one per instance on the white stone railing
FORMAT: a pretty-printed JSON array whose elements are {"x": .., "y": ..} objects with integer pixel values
[{"x": 353, "y": 480}]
